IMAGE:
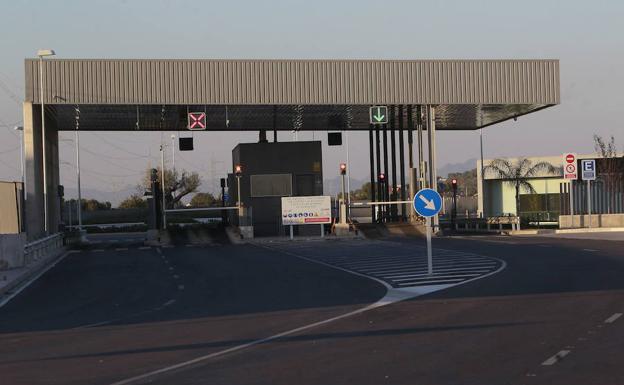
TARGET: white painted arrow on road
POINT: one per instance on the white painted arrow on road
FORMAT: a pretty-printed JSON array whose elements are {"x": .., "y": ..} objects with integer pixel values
[{"x": 429, "y": 205}]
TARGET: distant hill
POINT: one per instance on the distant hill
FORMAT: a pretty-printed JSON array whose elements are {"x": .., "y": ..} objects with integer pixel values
[{"x": 457, "y": 167}]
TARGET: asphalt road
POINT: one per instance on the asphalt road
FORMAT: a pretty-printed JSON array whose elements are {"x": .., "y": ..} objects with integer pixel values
[{"x": 550, "y": 317}]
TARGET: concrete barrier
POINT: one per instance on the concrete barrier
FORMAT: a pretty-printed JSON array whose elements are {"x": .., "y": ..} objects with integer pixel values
[
  {"x": 597, "y": 220},
  {"x": 12, "y": 250}
]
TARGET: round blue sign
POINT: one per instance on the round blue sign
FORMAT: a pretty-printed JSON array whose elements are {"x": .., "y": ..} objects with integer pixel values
[{"x": 427, "y": 202}]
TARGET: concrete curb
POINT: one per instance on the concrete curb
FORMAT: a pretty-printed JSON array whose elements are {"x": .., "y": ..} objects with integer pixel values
[
  {"x": 566, "y": 231},
  {"x": 32, "y": 271}
]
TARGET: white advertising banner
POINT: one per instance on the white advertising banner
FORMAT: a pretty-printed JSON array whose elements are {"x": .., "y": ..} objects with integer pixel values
[{"x": 311, "y": 210}]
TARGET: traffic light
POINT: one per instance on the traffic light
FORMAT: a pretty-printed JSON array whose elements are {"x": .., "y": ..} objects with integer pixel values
[
  {"x": 222, "y": 182},
  {"x": 343, "y": 168},
  {"x": 454, "y": 185},
  {"x": 238, "y": 170},
  {"x": 382, "y": 177}
]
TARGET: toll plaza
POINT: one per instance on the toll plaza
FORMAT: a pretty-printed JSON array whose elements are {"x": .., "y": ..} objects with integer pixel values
[{"x": 401, "y": 103}]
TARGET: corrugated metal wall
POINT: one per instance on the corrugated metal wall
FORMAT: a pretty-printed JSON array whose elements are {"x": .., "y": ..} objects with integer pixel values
[{"x": 268, "y": 82}]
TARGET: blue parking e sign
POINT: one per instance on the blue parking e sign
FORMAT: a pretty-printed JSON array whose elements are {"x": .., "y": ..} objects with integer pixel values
[{"x": 588, "y": 169}]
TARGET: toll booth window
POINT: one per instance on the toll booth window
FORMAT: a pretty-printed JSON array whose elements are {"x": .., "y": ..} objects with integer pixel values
[{"x": 271, "y": 185}]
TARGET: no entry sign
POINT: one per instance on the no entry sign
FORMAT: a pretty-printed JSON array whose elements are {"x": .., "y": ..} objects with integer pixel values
[
  {"x": 197, "y": 121},
  {"x": 570, "y": 170}
]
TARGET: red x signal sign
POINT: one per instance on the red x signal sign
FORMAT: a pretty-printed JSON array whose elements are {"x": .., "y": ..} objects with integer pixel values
[{"x": 197, "y": 121}]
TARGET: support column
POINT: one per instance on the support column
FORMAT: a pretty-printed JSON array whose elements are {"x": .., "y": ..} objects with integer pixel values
[
  {"x": 372, "y": 171},
  {"x": 385, "y": 190},
  {"x": 393, "y": 189},
  {"x": 379, "y": 187},
  {"x": 402, "y": 163},
  {"x": 412, "y": 171},
  {"x": 421, "y": 154},
  {"x": 274, "y": 124},
  {"x": 33, "y": 152},
  {"x": 431, "y": 135}
]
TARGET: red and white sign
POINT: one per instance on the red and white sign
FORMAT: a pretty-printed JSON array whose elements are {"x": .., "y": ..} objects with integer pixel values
[
  {"x": 197, "y": 121},
  {"x": 570, "y": 170}
]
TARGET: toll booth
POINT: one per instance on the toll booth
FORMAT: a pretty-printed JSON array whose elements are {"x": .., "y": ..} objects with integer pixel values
[{"x": 271, "y": 171}]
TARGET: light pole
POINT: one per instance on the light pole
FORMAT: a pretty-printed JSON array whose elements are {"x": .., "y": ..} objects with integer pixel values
[
  {"x": 162, "y": 178},
  {"x": 238, "y": 171},
  {"x": 173, "y": 151},
  {"x": 79, "y": 208},
  {"x": 343, "y": 213},
  {"x": 21, "y": 130},
  {"x": 43, "y": 53}
]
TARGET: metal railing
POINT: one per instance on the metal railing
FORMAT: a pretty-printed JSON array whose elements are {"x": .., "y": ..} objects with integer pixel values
[{"x": 40, "y": 248}]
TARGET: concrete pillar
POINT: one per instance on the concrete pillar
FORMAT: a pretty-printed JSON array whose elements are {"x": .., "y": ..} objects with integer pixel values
[
  {"x": 33, "y": 155},
  {"x": 433, "y": 176}
]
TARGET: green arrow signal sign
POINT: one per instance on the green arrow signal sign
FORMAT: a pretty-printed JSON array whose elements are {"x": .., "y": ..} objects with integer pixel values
[{"x": 379, "y": 114}]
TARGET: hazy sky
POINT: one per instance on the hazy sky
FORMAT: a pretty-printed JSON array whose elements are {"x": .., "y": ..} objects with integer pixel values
[{"x": 588, "y": 38}]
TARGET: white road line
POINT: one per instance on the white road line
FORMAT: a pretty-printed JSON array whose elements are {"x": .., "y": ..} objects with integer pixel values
[
  {"x": 436, "y": 273},
  {"x": 413, "y": 261},
  {"x": 556, "y": 358},
  {"x": 433, "y": 276},
  {"x": 613, "y": 318},
  {"x": 414, "y": 266},
  {"x": 21, "y": 287}
]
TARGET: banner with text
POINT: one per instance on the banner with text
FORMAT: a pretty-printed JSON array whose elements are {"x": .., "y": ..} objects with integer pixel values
[{"x": 309, "y": 210}]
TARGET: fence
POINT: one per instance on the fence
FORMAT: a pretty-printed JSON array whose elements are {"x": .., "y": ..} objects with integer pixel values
[
  {"x": 40, "y": 248},
  {"x": 604, "y": 199}
]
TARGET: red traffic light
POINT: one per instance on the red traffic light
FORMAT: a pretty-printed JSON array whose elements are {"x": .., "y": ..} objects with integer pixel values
[
  {"x": 382, "y": 177},
  {"x": 238, "y": 170},
  {"x": 454, "y": 182},
  {"x": 343, "y": 168}
]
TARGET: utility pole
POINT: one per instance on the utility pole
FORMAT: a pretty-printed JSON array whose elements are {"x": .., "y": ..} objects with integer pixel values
[
  {"x": 173, "y": 152},
  {"x": 162, "y": 178}
]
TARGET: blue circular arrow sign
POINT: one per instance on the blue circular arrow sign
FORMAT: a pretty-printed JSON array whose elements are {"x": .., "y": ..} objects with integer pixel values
[{"x": 427, "y": 202}]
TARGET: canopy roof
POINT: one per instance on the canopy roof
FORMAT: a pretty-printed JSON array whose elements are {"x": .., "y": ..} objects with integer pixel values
[{"x": 153, "y": 94}]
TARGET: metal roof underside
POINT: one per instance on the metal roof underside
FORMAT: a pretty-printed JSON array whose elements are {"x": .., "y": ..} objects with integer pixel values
[{"x": 287, "y": 94}]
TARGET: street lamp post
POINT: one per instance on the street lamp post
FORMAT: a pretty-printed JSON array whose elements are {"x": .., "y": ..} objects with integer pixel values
[
  {"x": 21, "y": 130},
  {"x": 173, "y": 151},
  {"x": 238, "y": 172},
  {"x": 43, "y": 53},
  {"x": 79, "y": 207}
]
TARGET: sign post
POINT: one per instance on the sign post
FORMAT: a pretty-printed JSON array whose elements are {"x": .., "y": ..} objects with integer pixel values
[
  {"x": 427, "y": 203},
  {"x": 588, "y": 168},
  {"x": 570, "y": 172},
  {"x": 306, "y": 210}
]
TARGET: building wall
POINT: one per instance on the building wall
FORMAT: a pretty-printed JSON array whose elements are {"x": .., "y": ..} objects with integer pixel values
[{"x": 303, "y": 160}]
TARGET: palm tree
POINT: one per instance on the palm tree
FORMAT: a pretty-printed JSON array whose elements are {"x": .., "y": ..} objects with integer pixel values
[{"x": 518, "y": 173}]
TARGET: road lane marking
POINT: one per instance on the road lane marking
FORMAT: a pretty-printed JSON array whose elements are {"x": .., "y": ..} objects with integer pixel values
[
  {"x": 613, "y": 318},
  {"x": 556, "y": 358},
  {"x": 393, "y": 295},
  {"x": 16, "y": 290}
]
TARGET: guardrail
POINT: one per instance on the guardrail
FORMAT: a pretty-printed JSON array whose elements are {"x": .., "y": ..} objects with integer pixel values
[{"x": 38, "y": 249}]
